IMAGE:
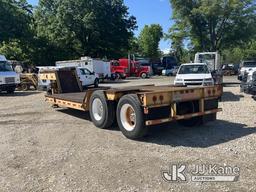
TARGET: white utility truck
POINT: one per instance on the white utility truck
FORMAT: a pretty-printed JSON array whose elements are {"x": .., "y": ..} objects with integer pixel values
[
  {"x": 8, "y": 78},
  {"x": 86, "y": 77},
  {"x": 194, "y": 74},
  {"x": 99, "y": 67},
  {"x": 213, "y": 61}
]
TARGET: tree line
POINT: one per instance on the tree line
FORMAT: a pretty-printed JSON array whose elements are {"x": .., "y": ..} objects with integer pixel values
[
  {"x": 227, "y": 26},
  {"x": 68, "y": 29},
  {"x": 64, "y": 29}
]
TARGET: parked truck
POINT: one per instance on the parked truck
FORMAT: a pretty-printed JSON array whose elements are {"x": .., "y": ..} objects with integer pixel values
[
  {"x": 136, "y": 107},
  {"x": 118, "y": 71},
  {"x": 245, "y": 67},
  {"x": 130, "y": 68},
  {"x": 101, "y": 68},
  {"x": 194, "y": 74},
  {"x": 248, "y": 83},
  {"x": 9, "y": 79},
  {"x": 213, "y": 62},
  {"x": 85, "y": 76},
  {"x": 170, "y": 65}
]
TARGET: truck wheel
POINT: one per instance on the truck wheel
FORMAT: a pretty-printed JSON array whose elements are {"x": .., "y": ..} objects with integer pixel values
[
  {"x": 143, "y": 75},
  {"x": 123, "y": 77},
  {"x": 130, "y": 117},
  {"x": 102, "y": 112},
  {"x": 96, "y": 83}
]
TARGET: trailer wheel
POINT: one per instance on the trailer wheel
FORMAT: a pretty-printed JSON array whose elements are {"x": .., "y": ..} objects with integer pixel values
[
  {"x": 130, "y": 117},
  {"x": 187, "y": 108},
  {"x": 102, "y": 112}
]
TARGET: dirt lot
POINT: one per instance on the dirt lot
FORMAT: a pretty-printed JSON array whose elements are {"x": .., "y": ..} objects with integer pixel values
[{"x": 47, "y": 150}]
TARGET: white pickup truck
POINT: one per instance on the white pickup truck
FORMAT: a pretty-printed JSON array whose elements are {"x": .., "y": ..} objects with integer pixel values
[
  {"x": 86, "y": 77},
  {"x": 8, "y": 78},
  {"x": 194, "y": 74}
]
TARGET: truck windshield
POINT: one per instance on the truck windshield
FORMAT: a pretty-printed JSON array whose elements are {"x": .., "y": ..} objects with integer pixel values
[
  {"x": 194, "y": 69},
  {"x": 250, "y": 64},
  {"x": 5, "y": 66}
]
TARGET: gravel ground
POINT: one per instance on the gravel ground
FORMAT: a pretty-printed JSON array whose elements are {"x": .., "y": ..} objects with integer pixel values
[{"x": 44, "y": 149}]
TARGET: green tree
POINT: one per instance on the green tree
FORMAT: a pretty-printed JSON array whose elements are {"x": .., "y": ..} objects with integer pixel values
[
  {"x": 149, "y": 39},
  {"x": 13, "y": 50},
  {"x": 15, "y": 17},
  {"x": 243, "y": 52},
  {"x": 84, "y": 27},
  {"x": 214, "y": 25},
  {"x": 16, "y": 36},
  {"x": 134, "y": 46}
]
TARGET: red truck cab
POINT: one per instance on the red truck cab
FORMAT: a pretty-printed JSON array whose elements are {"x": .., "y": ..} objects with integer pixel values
[
  {"x": 134, "y": 69},
  {"x": 118, "y": 71}
]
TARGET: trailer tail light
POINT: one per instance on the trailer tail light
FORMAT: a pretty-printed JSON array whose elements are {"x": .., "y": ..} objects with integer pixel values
[
  {"x": 213, "y": 91},
  {"x": 157, "y": 99},
  {"x": 161, "y": 98},
  {"x": 154, "y": 99}
]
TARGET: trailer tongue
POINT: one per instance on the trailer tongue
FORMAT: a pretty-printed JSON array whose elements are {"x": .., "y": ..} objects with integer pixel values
[{"x": 136, "y": 108}]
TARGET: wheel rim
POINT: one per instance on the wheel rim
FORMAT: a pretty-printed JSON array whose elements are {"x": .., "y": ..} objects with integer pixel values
[
  {"x": 144, "y": 75},
  {"x": 128, "y": 117},
  {"x": 97, "y": 109}
]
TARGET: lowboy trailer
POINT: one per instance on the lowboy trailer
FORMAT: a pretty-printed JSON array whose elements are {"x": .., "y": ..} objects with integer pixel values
[{"x": 135, "y": 108}]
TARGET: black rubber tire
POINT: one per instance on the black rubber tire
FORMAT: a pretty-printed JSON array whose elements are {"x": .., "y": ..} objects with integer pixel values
[
  {"x": 123, "y": 77},
  {"x": 24, "y": 87},
  {"x": 108, "y": 111},
  {"x": 96, "y": 83},
  {"x": 140, "y": 129},
  {"x": 189, "y": 108},
  {"x": 142, "y": 75}
]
